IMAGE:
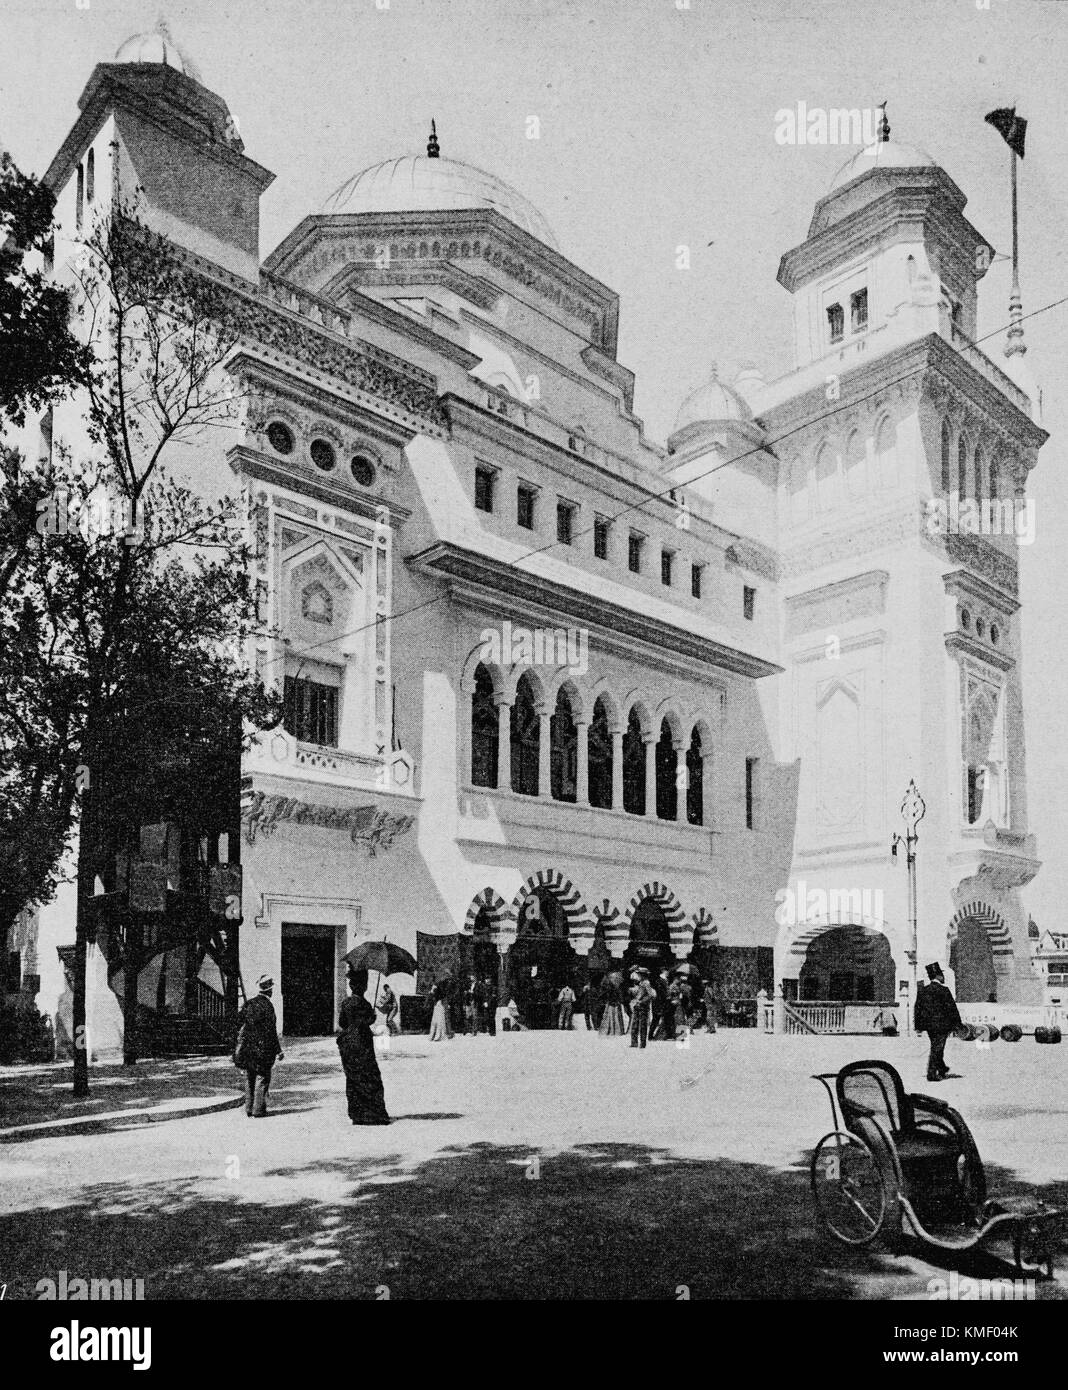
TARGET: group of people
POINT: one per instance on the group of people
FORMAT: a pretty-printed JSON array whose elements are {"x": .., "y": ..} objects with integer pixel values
[
  {"x": 479, "y": 1004},
  {"x": 664, "y": 1008},
  {"x": 258, "y": 1048}
]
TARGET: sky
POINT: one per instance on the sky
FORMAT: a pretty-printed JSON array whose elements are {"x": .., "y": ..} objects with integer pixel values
[{"x": 655, "y": 124}]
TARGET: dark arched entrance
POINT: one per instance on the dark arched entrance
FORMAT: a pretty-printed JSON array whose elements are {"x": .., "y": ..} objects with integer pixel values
[
  {"x": 850, "y": 963},
  {"x": 485, "y": 960},
  {"x": 542, "y": 959},
  {"x": 971, "y": 958},
  {"x": 650, "y": 938}
]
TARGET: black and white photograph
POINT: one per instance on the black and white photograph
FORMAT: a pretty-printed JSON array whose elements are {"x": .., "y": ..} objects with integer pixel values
[{"x": 532, "y": 532}]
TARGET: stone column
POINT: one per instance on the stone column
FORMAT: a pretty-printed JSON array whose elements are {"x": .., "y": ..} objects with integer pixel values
[
  {"x": 649, "y": 744},
  {"x": 504, "y": 743},
  {"x": 617, "y": 769},
  {"x": 680, "y": 782},
  {"x": 582, "y": 775},
  {"x": 544, "y": 735}
]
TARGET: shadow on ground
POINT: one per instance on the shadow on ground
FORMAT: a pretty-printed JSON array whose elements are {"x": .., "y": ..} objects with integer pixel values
[{"x": 482, "y": 1221}]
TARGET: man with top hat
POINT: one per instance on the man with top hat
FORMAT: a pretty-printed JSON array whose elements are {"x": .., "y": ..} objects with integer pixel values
[
  {"x": 642, "y": 995},
  {"x": 937, "y": 1016},
  {"x": 258, "y": 1047}
]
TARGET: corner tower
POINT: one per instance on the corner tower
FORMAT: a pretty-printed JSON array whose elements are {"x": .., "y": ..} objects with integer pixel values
[{"x": 903, "y": 460}]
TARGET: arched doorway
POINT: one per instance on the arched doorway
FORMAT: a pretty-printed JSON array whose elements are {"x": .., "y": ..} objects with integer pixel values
[
  {"x": 850, "y": 963},
  {"x": 650, "y": 938},
  {"x": 485, "y": 960},
  {"x": 542, "y": 959},
  {"x": 971, "y": 958}
]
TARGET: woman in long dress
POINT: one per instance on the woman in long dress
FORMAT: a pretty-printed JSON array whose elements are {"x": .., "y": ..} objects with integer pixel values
[
  {"x": 440, "y": 1023},
  {"x": 613, "y": 1020},
  {"x": 355, "y": 1041}
]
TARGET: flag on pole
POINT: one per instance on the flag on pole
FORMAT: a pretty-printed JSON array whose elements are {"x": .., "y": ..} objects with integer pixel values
[{"x": 1011, "y": 128}]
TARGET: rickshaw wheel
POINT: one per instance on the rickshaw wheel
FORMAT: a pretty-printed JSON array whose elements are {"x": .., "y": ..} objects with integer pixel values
[{"x": 850, "y": 1189}]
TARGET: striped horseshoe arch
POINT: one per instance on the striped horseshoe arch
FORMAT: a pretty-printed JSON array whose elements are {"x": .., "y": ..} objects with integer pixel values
[
  {"x": 798, "y": 947},
  {"x": 563, "y": 890},
  {"x": 665, "y": 900},
  {"x": 494, "y": 906},
  {"x": 997, "y": 931}
]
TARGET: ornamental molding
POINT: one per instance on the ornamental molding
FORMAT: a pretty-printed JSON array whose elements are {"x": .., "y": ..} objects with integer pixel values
[
  {"x": 848, "y": 543},
  {"x": 861, "y": 596},
  {"x": 367, "y": 825}
]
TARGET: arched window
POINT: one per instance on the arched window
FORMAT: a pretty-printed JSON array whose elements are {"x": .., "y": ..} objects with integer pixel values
[
  {"x": 667, "y": 790},
  {"x": 80, "y": 196},
  {"x": 979, "y": 474},
  {"x": 484, "y": 731},
  {"x": 962, "y": 466},
  {"x": 826, "y": 479},
  {"x": 695, "y": 781},
  {"x": 947, "y": 457},
  {"x": 798, "y": 478},
  {"x": 526, "y": 739},
  {"x": 600, "y": 758},
  {"x": 856, "y": 465},
  {"x": 634, "y": 767},
  {"x": 995, "y": 480},
  {"x": 563, "y": 751},
  {"x": 886, "y": 454},
  {"x": 90, "y": 176}
]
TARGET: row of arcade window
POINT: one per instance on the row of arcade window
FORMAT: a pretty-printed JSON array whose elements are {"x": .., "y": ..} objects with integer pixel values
[
  {"x": 858, "y": 316},
  {"x": 673, "y": 783},
  {"x": 974, "y": 476}
]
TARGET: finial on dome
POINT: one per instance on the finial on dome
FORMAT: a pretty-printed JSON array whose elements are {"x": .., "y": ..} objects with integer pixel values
[
  {"x": 882, "y": 134},
  {"x": 433, "y": 149}
]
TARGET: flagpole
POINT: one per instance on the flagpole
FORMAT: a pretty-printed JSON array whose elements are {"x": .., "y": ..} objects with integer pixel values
[{"x": 1014, "y": 342}]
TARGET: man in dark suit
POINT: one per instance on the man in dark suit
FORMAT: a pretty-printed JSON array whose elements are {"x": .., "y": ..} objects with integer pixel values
[
  {"x": 937, "y": 1016},
  {"x": 258, "y": 1047}
]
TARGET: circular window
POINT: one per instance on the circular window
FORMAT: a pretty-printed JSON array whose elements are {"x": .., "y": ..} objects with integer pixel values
[
  {"x": 965, "y": 619},
  {"x": 363, "y": 470},
  {"x": 280, "y": 437},
  {"x": 322, "y": 455},
  {"x": 994, "y": 633},
  {"x": 980, "y": 627}
]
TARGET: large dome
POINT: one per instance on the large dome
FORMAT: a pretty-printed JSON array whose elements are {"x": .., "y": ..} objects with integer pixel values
[
  {"x": 424, "y": 183},
  {"x": 714, "y": 401},
  {"x": 157, "y": 46},
  {"x": 884, "y": 154}
]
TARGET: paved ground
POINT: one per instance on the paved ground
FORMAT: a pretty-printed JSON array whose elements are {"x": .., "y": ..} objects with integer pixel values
[{"x": 536, "y": 1165}]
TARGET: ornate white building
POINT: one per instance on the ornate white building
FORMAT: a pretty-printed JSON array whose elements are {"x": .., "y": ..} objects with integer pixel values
[{"x": 556, "y": 693}]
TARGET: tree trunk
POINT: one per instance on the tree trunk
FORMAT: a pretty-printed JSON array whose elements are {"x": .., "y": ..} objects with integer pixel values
[
  {"x": 131, "y": 971},
  {"x": 79, "y": 1036}
]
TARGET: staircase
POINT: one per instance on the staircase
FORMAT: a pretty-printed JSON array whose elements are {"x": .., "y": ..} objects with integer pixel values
[{"x": 207, "y": 1031}]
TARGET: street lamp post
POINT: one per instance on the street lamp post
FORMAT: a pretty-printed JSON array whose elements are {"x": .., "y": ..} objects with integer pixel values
[{"x": 913, "y": 809}]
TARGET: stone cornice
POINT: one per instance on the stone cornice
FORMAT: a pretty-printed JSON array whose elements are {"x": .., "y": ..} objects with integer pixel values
[
  {"x": 492, "y": 241},
  {"x": 250, "y": 463},
  {"x": 476, "y": 574},
  {"x": 929, "y": 198},
  {"x": 176, "y": 103},
  {"x": 959, "y": 644},
  {"x": 963, "y": 583},
  {"x": 904, "y": 373}
]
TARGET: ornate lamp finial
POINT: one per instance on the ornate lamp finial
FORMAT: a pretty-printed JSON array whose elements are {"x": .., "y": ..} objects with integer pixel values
[
  {"x": 882, "y": 134},
  {"x": 433, "y": 149}
]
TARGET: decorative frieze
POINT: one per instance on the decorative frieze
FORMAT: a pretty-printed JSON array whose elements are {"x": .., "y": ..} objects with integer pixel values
[
  {"x": 861, "y": 596},
  {"x": 367, "y": 825}
]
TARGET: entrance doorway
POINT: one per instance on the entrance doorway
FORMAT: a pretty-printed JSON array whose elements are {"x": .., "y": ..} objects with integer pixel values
[
  {"x": 971, "y": 959},
  {"x": 309, "y": 979},
  {"x": 542, "y": 960},
  {"x": 853, "y": 964},
  {"x": 650, "y": 939}
]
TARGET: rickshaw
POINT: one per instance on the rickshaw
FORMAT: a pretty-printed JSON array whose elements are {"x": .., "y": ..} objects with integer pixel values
[{"x": 900, "y": 1164}]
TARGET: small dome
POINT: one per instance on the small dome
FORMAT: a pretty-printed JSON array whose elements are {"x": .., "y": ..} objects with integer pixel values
[
  {"x": 422, "y": 183},
  {"x": 157, "y": 46},
  {"x": 715, "y": 400},
  {"x": 884, "y": 154}
]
